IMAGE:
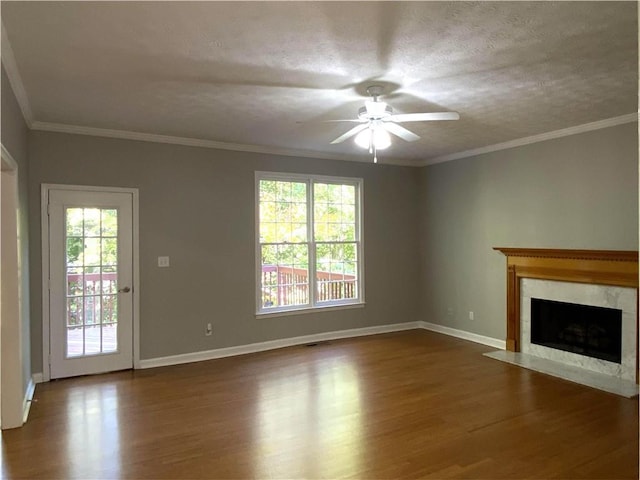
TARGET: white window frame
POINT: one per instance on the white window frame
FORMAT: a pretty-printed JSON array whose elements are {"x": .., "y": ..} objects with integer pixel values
[{"x": 313, "y": 304}]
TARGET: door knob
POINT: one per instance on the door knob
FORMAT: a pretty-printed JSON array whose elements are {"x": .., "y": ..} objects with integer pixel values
[{"x": 124, "y": 290}]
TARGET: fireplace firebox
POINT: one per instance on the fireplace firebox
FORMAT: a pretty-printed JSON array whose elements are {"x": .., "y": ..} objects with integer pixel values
[{"x": 583, "y": 329}]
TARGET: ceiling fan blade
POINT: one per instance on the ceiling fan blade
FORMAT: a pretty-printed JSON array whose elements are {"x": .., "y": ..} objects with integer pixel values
[
  {"x": 355, "y": 130},
  {"x": 424, "y": 117},
  {"x": 399, "y": 131}
]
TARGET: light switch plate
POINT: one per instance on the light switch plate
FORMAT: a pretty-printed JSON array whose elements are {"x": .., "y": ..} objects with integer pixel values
[{"x": 163, "y": 261}]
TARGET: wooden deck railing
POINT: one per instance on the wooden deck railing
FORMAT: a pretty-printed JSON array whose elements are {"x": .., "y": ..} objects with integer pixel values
[
  {"x": 290, "y": 286},
  {"x": 83, "y": 291}
]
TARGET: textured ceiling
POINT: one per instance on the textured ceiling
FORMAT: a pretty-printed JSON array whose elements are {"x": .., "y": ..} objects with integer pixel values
[{"x": 250, "y": 73}]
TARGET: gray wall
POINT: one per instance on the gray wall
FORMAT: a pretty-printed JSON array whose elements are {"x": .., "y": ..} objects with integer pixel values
[
  {"x": 197, "y": 206},
  {"x": 14, "y": 138},
  {"x": 573, "y": 192},
  {"x": 428, "y": 232}
]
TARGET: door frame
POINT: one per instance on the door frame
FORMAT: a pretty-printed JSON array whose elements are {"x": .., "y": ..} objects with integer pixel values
[
  {"x": 13, "y": 392},
  {"x": 44, "y": 216}
]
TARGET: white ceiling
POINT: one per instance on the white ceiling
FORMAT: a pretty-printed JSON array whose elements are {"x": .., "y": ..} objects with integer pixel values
[{"x": 246, "y": 74}]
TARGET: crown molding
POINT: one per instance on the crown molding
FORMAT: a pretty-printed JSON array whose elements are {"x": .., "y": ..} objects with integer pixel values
[
  {"x": 196, "y": 142},
  {"x": 15, "y": 80},
  {"x": 8, "y": 158},
  {"x": 565, "y": 132}
]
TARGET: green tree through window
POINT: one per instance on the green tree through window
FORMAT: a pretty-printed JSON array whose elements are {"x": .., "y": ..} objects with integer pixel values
[{"x": 309, "y": 245}]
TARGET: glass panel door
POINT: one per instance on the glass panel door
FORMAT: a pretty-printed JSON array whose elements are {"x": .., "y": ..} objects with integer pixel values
[
  {"x": 91, "y": 265},
  {"x": 90, "y": 281}
]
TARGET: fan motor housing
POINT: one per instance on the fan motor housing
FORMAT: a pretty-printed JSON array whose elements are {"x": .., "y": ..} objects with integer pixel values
[{"x": 364, "y": 115}]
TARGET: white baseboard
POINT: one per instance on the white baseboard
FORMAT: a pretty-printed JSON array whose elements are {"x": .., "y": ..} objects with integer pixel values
[
  {"x": 28, "y": 396},
  {"x": 273, "y": 344},
  {"x": 472, "y": 337},
  {"x": 289, "y": 342},
  {"x": 318, "y": 337}
]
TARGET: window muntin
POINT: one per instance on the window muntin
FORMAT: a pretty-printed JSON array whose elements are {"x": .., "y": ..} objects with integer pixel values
[{"x": 309, "y": 247}]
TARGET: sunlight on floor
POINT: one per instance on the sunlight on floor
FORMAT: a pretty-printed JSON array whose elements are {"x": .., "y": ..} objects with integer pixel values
[
  {"x": 93, "y": 431},
  {"x": 310, "y": 409}
]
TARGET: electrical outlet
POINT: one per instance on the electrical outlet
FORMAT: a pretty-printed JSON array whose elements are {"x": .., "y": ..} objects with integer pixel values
[
  {"x": 471, "y": 316},
  {"x": 450, "y": 312},
  {"x": 163, "y": 261},
  {"x": 209, "y": 330}
]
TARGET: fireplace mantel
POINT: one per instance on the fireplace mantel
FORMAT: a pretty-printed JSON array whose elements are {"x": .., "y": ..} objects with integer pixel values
[
  {"x": 600, "y": 267},
  {"x": 602, "y": 255}
]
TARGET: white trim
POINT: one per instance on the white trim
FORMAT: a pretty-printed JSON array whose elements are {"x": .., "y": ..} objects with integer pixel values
[
  {"x": 287, "y": 177},
  {"x": 136, "y": 277},
  {"x": 6, "y": 156},
  {"x": 15, "y": 80},
  {"x": 44, "y": 251},
  {"x": 317, "y": 337},
  {"x": 257, "y": 254},
  {"x": 28, "y": 396},
  {"x": 310, "y": 180},
  {"x": 274, "y": 344},
  {"x": 306, "y": 310},
  {"x": 135, "y": 198},
  {"x": 472, "y": 337},
  {"x": 360, "y": 236},
  {"x": 565, "y": 132},
  {"x": 37, "y": 378},
  {"x": 89, "y": 188},
  {"x": 312, "y": 276},
  {"x": 198, "y": 142},
  {"x": 13, "y": 387}
]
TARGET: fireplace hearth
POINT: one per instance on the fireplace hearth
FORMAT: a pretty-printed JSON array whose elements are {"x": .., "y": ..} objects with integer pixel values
[
  {"x": 583, "y": 329},
  {"x": 606, "y": 279}
]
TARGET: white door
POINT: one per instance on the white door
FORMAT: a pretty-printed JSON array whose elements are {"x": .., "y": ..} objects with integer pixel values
[{"x": 90, "y": 282}]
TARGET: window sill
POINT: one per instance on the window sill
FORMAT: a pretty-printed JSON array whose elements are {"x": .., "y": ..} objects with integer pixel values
[{"x": 303, "y": 311}]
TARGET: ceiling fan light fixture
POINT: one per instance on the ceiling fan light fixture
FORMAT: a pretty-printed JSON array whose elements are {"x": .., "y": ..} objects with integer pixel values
[
  {"x": 376, "y": 121},
  {"x": 374, "y": 136}
]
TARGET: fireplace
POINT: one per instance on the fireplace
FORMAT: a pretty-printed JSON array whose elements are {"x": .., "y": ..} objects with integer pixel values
[
  {"x": 583, "y": 329},
  {"x": 604, "y": 279}
]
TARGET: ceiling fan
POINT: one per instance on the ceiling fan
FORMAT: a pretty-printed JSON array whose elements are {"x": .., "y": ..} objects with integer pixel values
[{"x": 377, "y": 120}]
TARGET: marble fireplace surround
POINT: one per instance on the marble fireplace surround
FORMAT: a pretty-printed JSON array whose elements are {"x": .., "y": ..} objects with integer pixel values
[
  {"x": 619, "y": 298},
  {"x": 595, "y": 267}
]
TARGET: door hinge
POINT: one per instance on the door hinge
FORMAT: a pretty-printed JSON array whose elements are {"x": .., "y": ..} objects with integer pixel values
[{"x": 48, "y": 209}]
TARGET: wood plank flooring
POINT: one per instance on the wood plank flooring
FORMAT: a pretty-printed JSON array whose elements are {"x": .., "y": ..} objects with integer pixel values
[{"x": 405, "y": 405}]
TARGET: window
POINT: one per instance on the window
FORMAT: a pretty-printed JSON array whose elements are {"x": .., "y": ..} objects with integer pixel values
[{"x": 309, "y": 249}]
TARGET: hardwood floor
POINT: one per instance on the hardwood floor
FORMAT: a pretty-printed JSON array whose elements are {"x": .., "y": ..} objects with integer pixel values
[{"x": 411, "y": 404}]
